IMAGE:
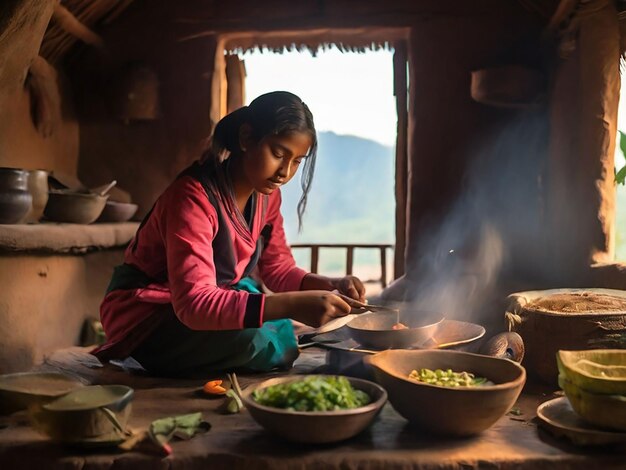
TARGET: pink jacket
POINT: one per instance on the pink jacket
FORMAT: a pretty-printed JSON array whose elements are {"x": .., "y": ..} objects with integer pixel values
[{"x": 176, "y": 244}]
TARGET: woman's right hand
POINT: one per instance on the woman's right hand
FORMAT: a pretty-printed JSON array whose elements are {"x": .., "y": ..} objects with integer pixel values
[{"x": 312, "y": 307}]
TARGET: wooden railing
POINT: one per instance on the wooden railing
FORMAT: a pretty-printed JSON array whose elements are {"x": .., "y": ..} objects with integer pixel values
[{"x": 315, "y": 255}]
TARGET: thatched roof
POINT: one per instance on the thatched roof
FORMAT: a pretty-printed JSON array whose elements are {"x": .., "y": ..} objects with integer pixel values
[
  {"x": 79, "y": 20},
  {"x": 65, "y": 29}
]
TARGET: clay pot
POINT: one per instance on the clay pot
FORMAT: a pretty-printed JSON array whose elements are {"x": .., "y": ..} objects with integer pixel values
[
  {"x": 38, "y": 188},
  {"x": 15, "y": 200}
]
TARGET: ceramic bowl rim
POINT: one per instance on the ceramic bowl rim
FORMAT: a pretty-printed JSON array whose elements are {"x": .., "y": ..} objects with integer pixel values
[
  {"x": 8, "y": 169},
  {"x": 80, "y": 195},
  {"x": 16, "y": 375},
  {"x": 608, "y": 380},
  {"x": 126, "y": 395},
  {"x": 372, "y": 406}
]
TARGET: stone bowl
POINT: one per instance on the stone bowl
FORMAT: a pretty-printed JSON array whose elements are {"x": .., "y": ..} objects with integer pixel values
[
  {"x": 460, "y": 411},
  {"x": 87, "y": 413},
  {"x": 316, "y": 427},
  {"x": 74, "y": 207}
]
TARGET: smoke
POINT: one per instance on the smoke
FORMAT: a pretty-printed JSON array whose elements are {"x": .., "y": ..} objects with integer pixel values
[{"x": 493, "y": 226}]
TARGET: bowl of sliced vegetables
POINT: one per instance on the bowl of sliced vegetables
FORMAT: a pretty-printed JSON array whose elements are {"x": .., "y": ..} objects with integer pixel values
[
  {"x": 451, "y": 393},
  {"x": 315, "y": 409}
]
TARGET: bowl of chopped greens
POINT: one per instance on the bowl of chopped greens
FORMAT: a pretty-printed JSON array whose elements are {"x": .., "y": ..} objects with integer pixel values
[
  {"x": 315, "y": 409},
  {"x": 448, "y": 392}
]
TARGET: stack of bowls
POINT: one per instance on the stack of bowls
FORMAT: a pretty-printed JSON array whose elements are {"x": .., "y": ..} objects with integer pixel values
[{"x": 595, "y": 385}]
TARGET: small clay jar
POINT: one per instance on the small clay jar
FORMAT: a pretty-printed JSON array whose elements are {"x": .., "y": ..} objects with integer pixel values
[
  {"x": 15, "y": 199},
  {"x": 38, "y": 188}
]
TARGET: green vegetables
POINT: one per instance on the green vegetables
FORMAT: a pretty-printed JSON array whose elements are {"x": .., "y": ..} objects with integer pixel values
[
  {"x": 448, "y": 378},
  {"x": 313, "y": 393}
]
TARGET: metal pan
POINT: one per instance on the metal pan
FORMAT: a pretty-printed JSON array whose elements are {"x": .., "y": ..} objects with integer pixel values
[{"x": 375, "y": 330}]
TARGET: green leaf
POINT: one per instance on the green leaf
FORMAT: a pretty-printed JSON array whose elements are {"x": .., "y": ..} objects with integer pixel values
[{"x": 620, "y": 176}]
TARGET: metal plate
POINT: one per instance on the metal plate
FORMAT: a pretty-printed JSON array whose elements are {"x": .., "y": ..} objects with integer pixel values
[{"x": 449, "y": 334}]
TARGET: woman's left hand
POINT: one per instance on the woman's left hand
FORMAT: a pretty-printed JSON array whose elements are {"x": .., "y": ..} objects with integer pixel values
[{"x": 350, "y": 286}]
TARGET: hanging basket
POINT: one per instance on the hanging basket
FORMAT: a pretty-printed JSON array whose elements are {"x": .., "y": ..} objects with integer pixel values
[
  {"x": 570, "y": 319},
  {"x": 510, "y": 86}
]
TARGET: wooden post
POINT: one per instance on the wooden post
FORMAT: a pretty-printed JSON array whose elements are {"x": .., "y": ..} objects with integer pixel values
[
  {"x": 383, "y": 266},
  {"x": 315, "y": 257},
  {"x": 400, "y": 92},
  {"x": 349, "y": 259}
]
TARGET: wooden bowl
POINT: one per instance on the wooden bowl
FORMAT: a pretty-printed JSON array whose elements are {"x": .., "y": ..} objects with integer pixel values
[
  {"x": 316, "y": 427},
  {"x": 460, "y": 411},
  {"x": 117, "y": 212},
  {"x": 73, "y": 207}
]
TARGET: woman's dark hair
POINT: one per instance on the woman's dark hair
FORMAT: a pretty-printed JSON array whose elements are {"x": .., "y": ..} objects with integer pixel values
[{"x": 275, "y": 113}]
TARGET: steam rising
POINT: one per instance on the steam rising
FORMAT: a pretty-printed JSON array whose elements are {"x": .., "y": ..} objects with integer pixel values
[{"x": 494, "y": 225}]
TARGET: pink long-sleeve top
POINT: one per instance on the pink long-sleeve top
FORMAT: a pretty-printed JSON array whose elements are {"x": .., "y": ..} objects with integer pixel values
[{"x": 176, "y": 243}]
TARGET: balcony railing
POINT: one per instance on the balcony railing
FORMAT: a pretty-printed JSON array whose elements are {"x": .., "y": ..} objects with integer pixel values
[{"x": 315, "y": 255}]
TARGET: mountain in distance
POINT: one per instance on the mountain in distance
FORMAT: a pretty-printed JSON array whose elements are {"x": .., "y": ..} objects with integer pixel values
[{"x": 352, "y": 196}]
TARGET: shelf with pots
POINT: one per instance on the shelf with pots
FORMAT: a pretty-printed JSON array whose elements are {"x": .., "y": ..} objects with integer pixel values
[{"x": 36, "y": 216}]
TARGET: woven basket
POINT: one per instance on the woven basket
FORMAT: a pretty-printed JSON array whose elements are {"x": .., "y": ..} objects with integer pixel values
[{"x": 571, "y": 319}]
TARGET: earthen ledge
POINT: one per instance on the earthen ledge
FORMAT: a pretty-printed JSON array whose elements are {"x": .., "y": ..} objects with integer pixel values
[{"x": 50, "y": 238}]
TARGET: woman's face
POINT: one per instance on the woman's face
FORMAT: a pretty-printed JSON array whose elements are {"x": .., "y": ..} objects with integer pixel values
[{"x": 274, "y": 160}]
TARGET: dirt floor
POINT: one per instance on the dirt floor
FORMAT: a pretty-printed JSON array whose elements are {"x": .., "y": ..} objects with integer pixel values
[{"x": 237, "y": 441}]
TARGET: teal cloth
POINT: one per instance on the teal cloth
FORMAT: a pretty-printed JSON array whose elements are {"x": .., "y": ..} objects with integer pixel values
[
  {"x": 174, "y": 349},
  {"x": 274, "y": 344}
]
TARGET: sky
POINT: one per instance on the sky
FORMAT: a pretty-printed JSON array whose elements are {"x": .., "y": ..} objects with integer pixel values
[{"x": 348, "y": 93}]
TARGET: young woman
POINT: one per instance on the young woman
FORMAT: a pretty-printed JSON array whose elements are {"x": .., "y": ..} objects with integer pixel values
[{"x": 183, "y": 301}]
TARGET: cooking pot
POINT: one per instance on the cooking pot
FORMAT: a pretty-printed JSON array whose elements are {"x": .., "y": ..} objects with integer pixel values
[{"x": 376, "y": 329}]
